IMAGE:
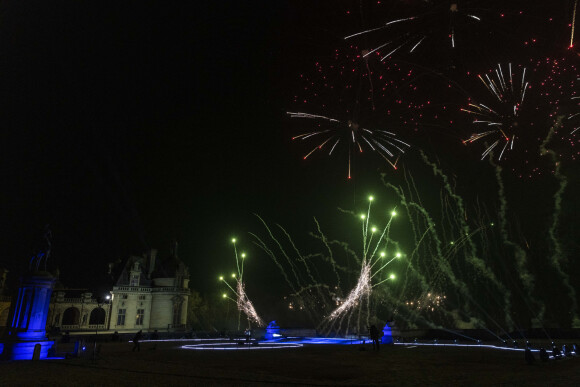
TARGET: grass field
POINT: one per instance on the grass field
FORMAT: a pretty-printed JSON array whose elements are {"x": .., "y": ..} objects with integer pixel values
[{"x": 167, "y": 364}]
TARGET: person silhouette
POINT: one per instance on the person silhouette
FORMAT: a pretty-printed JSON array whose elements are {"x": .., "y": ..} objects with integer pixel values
[
  {"x": 374, "y": 334},
  {"x": 136, "y": 339}
]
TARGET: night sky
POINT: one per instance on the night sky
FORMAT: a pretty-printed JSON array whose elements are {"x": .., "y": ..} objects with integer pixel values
[{"x": 127, "y": 125}]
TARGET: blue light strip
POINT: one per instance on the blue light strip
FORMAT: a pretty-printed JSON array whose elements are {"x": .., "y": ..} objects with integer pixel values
[
  {"x": 180, "y": 340},
  {"x": 320, "y": 340},
  {"x": 296, "y": 342},
  {"x": 236, "y": 347},
  {"x": 475, "y": 345}
]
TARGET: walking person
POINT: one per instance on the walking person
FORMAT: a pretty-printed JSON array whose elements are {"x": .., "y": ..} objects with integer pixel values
[
  {"x": 136, "y": 339},
  {"x": 374, "y": 333}
]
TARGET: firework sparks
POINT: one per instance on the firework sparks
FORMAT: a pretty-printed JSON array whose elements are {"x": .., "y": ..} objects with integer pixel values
[
  {"x": 363, "y": 289},
  {"x": 371, "y": 259},
  {"x": 575, "y": 116},
  {"x": 429, "y": 302},
  {"x": 503, "y": 122},
  {"x": 351, "y": 103},
  {"x": 519, "y": 116},
  {"x": 244, "y": 304},
  {"x": 408, "y": 33},
  {"x": 332, "y": 131}
]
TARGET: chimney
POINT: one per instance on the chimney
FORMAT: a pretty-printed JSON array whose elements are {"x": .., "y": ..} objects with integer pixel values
[{"x": 152, "y": 256}]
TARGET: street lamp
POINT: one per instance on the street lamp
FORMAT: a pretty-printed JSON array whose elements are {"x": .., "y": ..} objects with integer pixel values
[{"x": 100, "y": 302}]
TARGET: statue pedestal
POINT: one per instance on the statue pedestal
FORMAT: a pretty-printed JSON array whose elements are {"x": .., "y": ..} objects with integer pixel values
[
  {"x": 272, "y": 331},
  {"x": 28, "y": 319},
  {"x": 24, "y": 350},
  {"x": 389, "y": 330}
]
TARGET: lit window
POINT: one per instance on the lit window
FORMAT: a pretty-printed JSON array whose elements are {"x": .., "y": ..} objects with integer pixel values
[{"x": 140, "y": 316}]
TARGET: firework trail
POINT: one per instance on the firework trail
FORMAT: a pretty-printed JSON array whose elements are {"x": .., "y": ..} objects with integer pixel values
[
  {"x": 444, "y": 259},
  {"x": 326, "y": 243},
  {"x": 301, "y": 284},
  {"x": 575, "y": 116},
  {"x": 465, "y": 233},
  {"x": 558, "y": 256},
  {"x": 315, "y": 297},
  {"x": 413, "y": 219},
  {"x": 244, "y": 304},
  {"x": 573, "y": 24},
  {"x": 270, "y": 253},
  {"x": 526, "y": 277},
  {"x": 435, "y": 250}
]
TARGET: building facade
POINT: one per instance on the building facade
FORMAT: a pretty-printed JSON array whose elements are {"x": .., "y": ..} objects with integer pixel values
[
  {"x": 71, "y": 312},
  {"x": 4, "y": 299},
  {"x": 149, "y": 294}
]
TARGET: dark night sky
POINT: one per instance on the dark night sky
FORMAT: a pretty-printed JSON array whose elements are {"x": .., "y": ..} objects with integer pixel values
[
  {"x": 130, "y": 125},
  {"x": 125, "y": 125}
]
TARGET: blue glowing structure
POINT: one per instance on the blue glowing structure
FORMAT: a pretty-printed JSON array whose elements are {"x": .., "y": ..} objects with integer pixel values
[
  {"x": 221, "y": 344},
  {"x": 272, "y": 331},
  {"x": 28, "y": 319},
  {"x": 387, "y": 335}
]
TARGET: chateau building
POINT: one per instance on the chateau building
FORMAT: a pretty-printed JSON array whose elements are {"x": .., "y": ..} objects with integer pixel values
[
  {"x": 149, "y": 294},
  {"x": 70, "y": 311}
]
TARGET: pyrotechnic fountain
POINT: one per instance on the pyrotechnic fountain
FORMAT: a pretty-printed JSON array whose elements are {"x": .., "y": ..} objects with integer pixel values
[
  {"x": 323, "y": 301},
  {"x": 242, "y": 301},
  {"x": 371, "y": 257}
]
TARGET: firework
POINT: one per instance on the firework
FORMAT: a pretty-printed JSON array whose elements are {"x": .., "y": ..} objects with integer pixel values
[
  {"x": 451, "y": 257},
  {"x": 315, "y": 279},
  {"x": 330, "y": 132},
  {"x": 351, "y": 104},
  {"x": 573, "y": 25},
  {"x": 374, "y": 260},
  {"x": 435, "y": 21},
  {"x": 428, "y": 302},
  {"x": 244, "y": 304},
  {"x": 522, "y": 114},
  {"x": 501, "y": 122}
]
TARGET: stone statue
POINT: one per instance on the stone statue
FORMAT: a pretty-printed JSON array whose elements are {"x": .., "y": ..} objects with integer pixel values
[{"x": 43, "y": 253}]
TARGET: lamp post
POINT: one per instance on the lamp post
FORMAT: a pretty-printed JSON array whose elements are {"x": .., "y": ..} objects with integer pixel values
[
  {"x": 108, "y": 317},
  {"x": 100, "y": 302}
]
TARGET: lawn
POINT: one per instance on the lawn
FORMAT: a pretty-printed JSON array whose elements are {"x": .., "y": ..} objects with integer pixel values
[{"x": 167, "y": 364}]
